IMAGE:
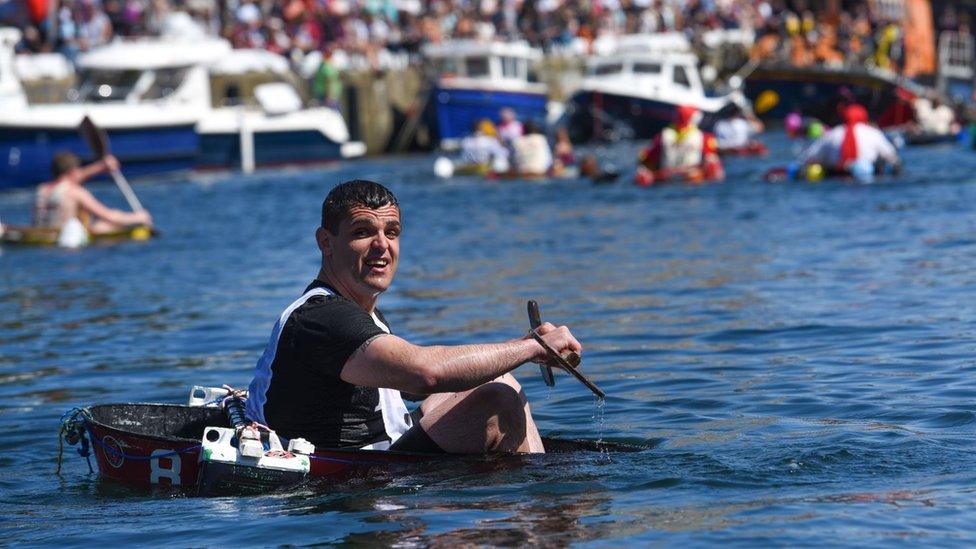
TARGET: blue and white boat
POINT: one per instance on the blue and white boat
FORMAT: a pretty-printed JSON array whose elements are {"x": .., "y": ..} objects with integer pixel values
[
  {"x": 475, "y": 80},
  {"x": 634, "y": 90},
  {"x": 155, "y": 99},
  {"x": 267, "y": 121},
  {"x": 148, "y": 96}
]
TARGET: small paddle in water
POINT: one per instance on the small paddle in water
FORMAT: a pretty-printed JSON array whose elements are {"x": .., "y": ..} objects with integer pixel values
[{"x": 570, "y": 362}]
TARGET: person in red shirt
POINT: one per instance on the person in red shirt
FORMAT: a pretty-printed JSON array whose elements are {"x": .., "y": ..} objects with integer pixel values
[{"x": 681, "y": 150}]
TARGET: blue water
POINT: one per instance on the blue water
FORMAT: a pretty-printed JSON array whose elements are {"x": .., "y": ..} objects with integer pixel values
[{"x": 798, "y": 359}]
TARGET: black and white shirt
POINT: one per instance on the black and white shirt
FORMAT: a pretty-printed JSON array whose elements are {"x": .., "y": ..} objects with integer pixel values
[{"x": 297, "y": 390}]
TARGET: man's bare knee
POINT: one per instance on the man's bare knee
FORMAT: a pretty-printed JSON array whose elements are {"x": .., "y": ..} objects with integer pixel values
[{"x": 503, "y": 406}]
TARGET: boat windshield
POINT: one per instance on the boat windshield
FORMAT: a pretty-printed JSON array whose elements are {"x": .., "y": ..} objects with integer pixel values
[
  {"x": 681, "y": 77},
  {"x": 476, "y": 67},
  {"x": 166, "y": 82},
  {"x": 511, "y": 67},
  {"x": 647, "y": 68},
  {"x": 607, "y": 68},
  {"x": 98, "y": 86}
]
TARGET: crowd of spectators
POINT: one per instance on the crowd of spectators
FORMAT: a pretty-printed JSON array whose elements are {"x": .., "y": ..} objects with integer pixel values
[{"x": 788, "y": 30}]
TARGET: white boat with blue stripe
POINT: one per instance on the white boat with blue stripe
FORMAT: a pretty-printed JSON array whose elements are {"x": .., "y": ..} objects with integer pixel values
[{"x": 473, "y": 80}]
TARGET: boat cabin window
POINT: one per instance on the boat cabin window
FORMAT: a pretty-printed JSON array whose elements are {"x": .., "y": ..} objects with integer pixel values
[
  {"x": 510, "y": 67},
  {"x": 681, "y": 77},
  {"x": 166, "y": 82},
  {"x": 447, "y": 67},
  {"x": 477, "y": 66},
  {"x": 608, "y": 68},
  {"x": 98, "y": 86},
  {"x": 647, "y": 68}
]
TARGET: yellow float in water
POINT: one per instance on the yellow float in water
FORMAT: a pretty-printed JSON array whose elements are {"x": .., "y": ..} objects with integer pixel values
[{"x": 815, "y": 173}]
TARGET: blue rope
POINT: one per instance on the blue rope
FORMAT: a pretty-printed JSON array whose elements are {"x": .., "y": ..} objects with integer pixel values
[{"x": 337, "y": 460}]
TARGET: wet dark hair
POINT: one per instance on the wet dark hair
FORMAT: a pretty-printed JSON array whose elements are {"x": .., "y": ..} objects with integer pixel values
[
  {"x": 63, "y": 162},
  {"x": 356, "y": 192}
]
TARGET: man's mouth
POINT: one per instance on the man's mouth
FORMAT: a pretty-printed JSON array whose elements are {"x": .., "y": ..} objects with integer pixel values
[{"x": 377, "y": 263}]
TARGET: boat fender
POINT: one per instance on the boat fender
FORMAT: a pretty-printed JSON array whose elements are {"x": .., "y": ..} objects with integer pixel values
[
  {"x": 862, "y": 171},
  {"x": 500, "y": 164},
  {"x": 73, "y": 234},
  {"x": 644, "y": 178},
  {"x": 815, "y": 173},
  {"x": 443, "y": 167}
]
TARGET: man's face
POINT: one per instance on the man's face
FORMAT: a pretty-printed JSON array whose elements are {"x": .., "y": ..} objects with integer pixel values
[{"x": 365, "y": 251}]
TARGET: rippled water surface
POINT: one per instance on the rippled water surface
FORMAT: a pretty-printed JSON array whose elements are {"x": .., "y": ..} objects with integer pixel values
[{"x": 798, "y": 359}]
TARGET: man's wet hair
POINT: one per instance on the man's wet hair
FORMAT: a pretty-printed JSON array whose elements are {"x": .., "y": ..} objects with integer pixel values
[
  {"x": 347, "y": 195},
  {"x": 63, "y": 162}
]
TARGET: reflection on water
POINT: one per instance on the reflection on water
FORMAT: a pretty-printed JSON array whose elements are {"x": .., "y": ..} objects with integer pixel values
[{"x": 797, "y": 359}]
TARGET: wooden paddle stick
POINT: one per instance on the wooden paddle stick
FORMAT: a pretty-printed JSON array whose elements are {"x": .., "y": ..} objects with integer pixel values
[
  {"x": 570, "y": 362},
  {"x": 97, "y": 140},
  {"x": 535, "y": 320}
]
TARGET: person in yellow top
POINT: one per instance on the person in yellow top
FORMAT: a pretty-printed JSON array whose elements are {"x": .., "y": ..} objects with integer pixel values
[{"x": 65, "y": 198}]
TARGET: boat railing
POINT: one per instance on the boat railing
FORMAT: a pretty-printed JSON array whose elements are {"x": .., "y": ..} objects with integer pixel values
[{"x": 956, "y": 54}]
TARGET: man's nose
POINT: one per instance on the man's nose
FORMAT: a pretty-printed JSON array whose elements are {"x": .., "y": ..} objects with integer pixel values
[{"x": 381, "y": 241}]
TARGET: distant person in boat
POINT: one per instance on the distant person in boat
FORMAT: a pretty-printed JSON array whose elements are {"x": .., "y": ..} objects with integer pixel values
[
  {"x": 934, "y": 117},
  {"x": 563, "y": 150},
  {"x": 681, "y": 150},
  {"x": 333, "y": 374},
  {"x": 509, "y": 128},
  {"x": 483, "y": 148},
  {"x": 532, "y": 153},
  {"x": 737, "y": 132},
  {"x": 65, "y": 198},
  {"x": 564, "y": 157},
  {"x": 856, "y": 148}
]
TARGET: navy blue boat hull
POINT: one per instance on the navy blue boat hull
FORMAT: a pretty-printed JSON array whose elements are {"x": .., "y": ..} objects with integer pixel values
[
  {"x": 25, "y": 153},
  {"x": 223, "y": 150},
  {"x": 456, "y": 111},
  {"x": 817, "y": 93},
  {"x": 610, "y": 117}
]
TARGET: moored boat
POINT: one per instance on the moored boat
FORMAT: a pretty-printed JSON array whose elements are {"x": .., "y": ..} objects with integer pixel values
[
  {"x": 778, "y": 90},
  {"x": 473, "y": 80},
  {"x": 634, "y": 91},
  {"x": 147, "y": 95}
]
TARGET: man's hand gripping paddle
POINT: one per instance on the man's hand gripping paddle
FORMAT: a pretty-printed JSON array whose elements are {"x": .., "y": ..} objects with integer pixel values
[{"x": 570, "y": 362}]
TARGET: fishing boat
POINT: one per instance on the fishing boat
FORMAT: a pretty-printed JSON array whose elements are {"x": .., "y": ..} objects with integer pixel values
[
  {"x": 205, "y": 448},
  {"x": 633, "y": 91},
  {"x": 472, "y": 80}
]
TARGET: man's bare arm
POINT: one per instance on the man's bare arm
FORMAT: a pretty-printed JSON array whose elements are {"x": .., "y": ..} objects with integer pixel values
[{"x": 392, "y": 362}]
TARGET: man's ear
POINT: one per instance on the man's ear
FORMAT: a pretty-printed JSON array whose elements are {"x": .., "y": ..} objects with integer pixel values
[{"x": 323, "y": 238}]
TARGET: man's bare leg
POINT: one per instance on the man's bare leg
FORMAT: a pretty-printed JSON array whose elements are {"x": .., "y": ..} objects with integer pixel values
[{"x": 494, "y": 417}]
